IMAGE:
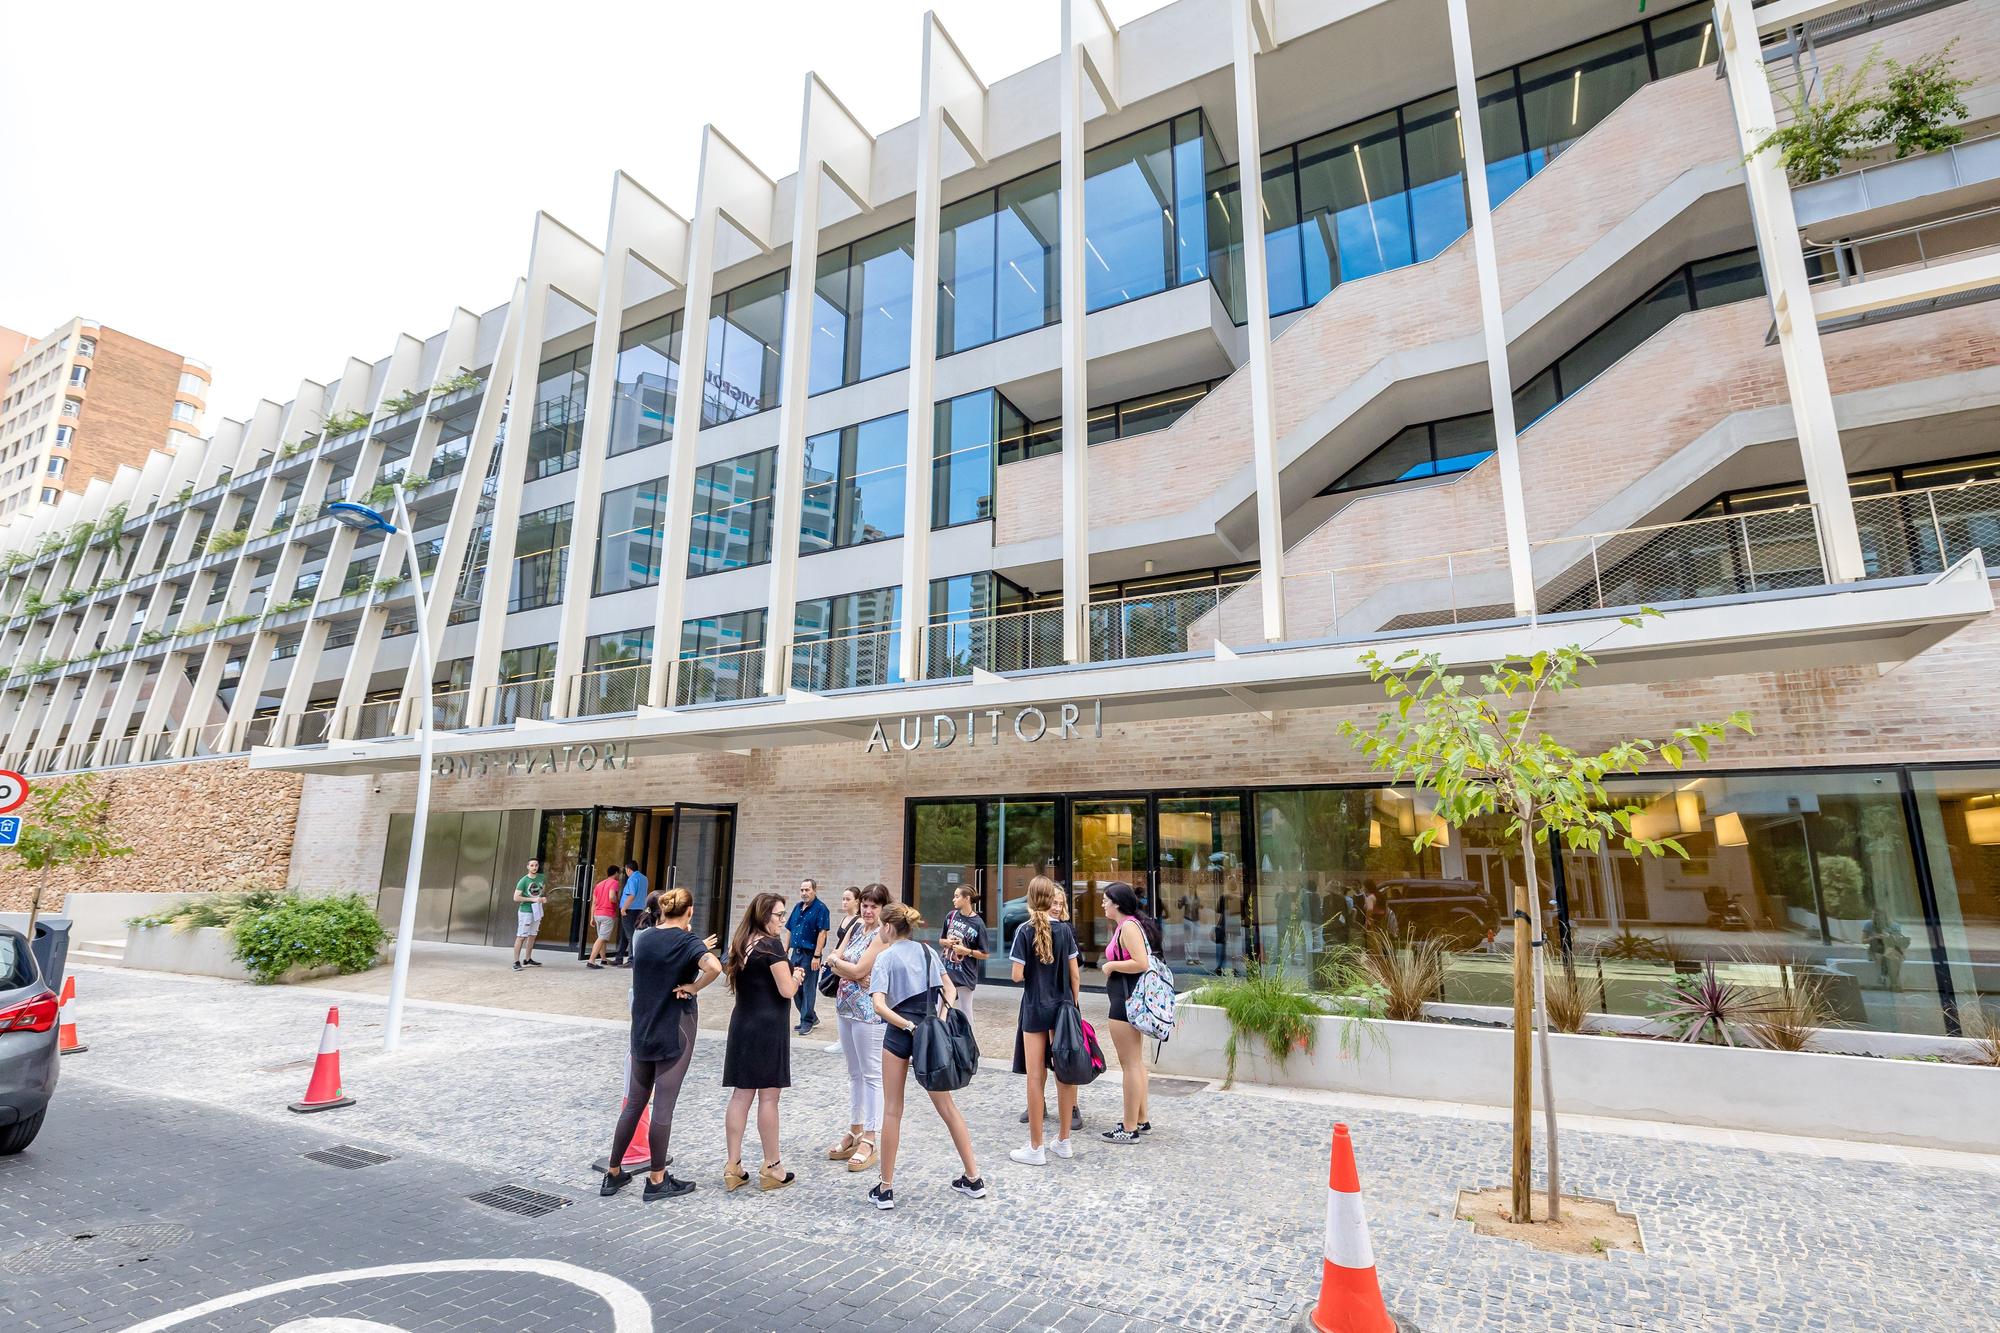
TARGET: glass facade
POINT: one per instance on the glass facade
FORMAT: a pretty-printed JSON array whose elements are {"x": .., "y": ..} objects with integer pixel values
[
  {"x": 649, "y": 381},
  {"x": 1454, "y": 444},
  {"x": 746, "y": 331},
  {"x": 964, "y": 436},
  {"x": 847, "y": 641},
  {"x": 1877, "y": 889},
  {"x": 854, "y": 485},
  {"x": 555, "y": 431},
  {"x": 628, "y": 537},
  {"x": 732, "y": 513},
  {"x": 1390, "y": 191},
  {"x": 1111, "y": 421},
  {"x": 541, "y": 558},
  {"x": 861, "y": 309}
]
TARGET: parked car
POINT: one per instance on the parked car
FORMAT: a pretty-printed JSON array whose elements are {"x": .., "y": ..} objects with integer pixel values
[
  {"x": 28, "y": 1059},
  {"x": 1457, "y": 911}
]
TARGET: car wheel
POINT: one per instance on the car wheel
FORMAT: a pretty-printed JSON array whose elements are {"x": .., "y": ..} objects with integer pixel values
[{"x": 21, "y": 1133}]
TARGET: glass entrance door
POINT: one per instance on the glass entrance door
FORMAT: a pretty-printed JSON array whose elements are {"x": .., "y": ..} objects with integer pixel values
[
  {"x": 1022, "y": 843},
  {"x": 565, "y": 855},
  {"x": 1208, "y": 917},
  {"x": 945, "y": 838},
  {"x": 702, "y": 861},
  {"x": 1110, "y": 842}
]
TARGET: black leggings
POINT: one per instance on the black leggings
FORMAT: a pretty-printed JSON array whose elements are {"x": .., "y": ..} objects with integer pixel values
[{"x": 660, "y": 1082}]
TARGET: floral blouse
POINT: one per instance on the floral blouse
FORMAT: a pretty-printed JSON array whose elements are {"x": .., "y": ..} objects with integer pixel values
[{"x": 853, "y": 1002}]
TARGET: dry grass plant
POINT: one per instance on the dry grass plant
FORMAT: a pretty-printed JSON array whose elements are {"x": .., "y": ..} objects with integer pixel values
[
  {"x": 1573, "y": 996},
  {"x": 1410, "y": 973},
  {"x": 1982, "y": 1029}
]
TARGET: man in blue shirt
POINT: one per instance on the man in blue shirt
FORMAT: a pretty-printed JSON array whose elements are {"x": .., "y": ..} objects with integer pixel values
[
  {"x": 808, "y": 926},
  {"x": 631, "y": 904}
]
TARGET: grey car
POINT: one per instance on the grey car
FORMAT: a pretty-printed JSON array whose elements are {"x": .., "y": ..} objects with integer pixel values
[{"x": 28, "y": 1059}]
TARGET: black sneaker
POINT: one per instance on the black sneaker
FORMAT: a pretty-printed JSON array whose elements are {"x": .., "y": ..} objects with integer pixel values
[
  {"x": 613, "y": 1182},
  {"x": 668, "y": 1188},
  {"x": 517, "y": 967},
  {"x": 882, "y": 1198},
  {"x": 595, "y": 967},
  {"x": 1120, "y": 1135},
  {"x": 531, "y": 962},
  {"x": 971, "y": 1189},
  {"x": 1145, "y": 1127}
]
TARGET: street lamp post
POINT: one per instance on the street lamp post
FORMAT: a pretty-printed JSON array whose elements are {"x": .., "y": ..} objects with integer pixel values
[{"x": 363, "y": 519}]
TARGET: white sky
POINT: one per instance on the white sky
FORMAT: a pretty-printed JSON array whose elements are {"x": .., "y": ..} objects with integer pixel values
[{"x": 272, "y": 188}]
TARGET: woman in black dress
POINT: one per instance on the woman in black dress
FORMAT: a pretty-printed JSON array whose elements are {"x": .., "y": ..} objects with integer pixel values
[
  {"x": 669, "y": 965},
  {"x": 1045, "y": 964},
  {"x": 757, "y": 1061}
]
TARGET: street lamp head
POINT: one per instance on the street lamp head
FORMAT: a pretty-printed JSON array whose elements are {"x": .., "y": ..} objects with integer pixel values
[{"x": 359, "y": 517}]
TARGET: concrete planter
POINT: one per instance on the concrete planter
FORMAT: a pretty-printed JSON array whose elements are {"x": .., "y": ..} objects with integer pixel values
[
  {"x": 207, "y": 951},
  {"x": 1774, "y": 1092}
]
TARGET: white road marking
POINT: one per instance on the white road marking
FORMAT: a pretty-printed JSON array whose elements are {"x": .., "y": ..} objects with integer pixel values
[{"x": 630, "y": 1312}]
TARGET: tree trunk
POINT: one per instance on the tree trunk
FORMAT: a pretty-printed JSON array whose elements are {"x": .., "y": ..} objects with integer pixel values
[
  {"x": 1521, "y": 1168},
  {"x": 35, "y": 905},
  {"x": 1533, "y": 886}
]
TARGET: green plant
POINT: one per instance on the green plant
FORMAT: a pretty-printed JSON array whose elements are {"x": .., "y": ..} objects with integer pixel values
[
  {"x": 1629, "y": 945},
  {"x": 415, "y": 481},
  {"x": 1701, "y": 1002},
  {"x": 1279, "y": 1002},
  {"x": 1827, "y": 126},
  {"x": 50, "y": 544},
  {"x": 463, "y": 380},
  {"x": 153, "y": 636},
  {"x": 1840, "y": 886},
  {"x": 386, "y": 584},
  {"x": 1484, "y": 753},
  {"x": 1921, "y": 105},
  {"x": 186, "y": 494},
  {"x": 294, "y": 604},
  {"x": 221, "y": 909},
  {"x": 381, "y": 493},
  {"x": 296, "y": 931},
  {"x": 343, "y": 423},
  {"x": 291, "y": 450},
  {"x": 32, "y": 605},
  {"x": 279, "y": 526},
  {"x": 227, "y": 540},
  {"x": 65, "y": 826},
  {"x": 199, "y": 627},
  {"x": 1410, "y": 973},
  {"x": 71, "y": 596},
  {"x": 106, "y": 585},
  {"x": 243, "y": 619},
  {"x": 111, "y": 529},
  {"x": 402, "y": 402}
]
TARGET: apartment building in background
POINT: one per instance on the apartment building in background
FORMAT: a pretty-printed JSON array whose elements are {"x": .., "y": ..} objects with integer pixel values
[
  {"x": 1003, "y": 493},
  {"x": 85, "y": 400}
]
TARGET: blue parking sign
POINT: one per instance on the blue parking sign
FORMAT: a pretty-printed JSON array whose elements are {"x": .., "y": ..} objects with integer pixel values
[{"x": 10, "y": 830}]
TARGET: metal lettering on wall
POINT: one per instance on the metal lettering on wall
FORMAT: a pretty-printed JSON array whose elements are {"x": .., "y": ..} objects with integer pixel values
[
  {"x": 941, "y": 731},
  {"x": 556, "y": 759}
]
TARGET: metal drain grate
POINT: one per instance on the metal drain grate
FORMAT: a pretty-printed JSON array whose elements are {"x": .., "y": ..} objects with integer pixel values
[
  {"x": 113, "y": 1247},
  {"x": 1164, "y": 1086},
  {"x": 348, "y": 1157},
  {"x": 521, "y": 1201}
]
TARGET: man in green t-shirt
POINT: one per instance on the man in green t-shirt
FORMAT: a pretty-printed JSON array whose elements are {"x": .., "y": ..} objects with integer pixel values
[{"x": 531, "y": 893}]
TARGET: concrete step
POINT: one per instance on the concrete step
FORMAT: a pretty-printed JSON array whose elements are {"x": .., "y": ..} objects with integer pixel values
[{"x": 105, "y": 952}]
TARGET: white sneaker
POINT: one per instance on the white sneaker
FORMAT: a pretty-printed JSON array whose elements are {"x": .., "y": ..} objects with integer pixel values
[
  {"x": 1030, "y": 1156},
  {"x": 832, "y": 1048},
  {"x": 1063, "y": 1148}
]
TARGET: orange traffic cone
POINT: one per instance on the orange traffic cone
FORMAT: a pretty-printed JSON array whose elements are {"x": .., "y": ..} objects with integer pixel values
[
  {"x": 323, "y": 1093},
  {"x": 638, "y": 1157},
  {"x": 1350, "y": 1298},
  {"x": 66, "y": 1040}
]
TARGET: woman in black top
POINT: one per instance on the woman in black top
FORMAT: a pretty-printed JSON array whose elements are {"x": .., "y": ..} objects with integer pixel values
[
  {"x": 669, "y": 965},
  {"x": 758, "y": 1059},
  {"x": 1045, "y": 964},
  {"x": 1135, "y": 937}
]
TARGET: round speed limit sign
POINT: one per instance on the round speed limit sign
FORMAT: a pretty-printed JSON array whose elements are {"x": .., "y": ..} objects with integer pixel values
[{"x": 13, "y": 791}]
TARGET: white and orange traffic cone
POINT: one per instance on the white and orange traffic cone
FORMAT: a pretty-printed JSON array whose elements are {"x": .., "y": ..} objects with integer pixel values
[
  {"x": 323, "y": 1093},
  {"x": 638, "y": 1157},
  {"x": 66, "y": 1038},
  {"x": 1350, "y": 1297}
]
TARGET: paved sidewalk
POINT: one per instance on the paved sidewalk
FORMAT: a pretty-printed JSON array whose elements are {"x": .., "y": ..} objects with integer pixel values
[{"x": 1214, "y": 1222}]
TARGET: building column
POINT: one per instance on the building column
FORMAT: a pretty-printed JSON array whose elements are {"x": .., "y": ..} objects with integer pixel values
[
  {"x": 1089, "y": 51},
  {"x": 833, "y": 145},
  {"x": 1252, "y": 33},
  {"x": 1492, "y": 317},
  {"x": 728, "y": 186},
  {"x": 1777, "y": 229},
  {"x": 954, "y": 100}
]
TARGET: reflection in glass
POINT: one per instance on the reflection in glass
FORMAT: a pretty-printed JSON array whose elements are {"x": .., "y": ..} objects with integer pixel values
[
  {"x": 1959, "y": 813},
  {"x": 853, "y": 491},
  {"x": 555, "y": 430},
  {"x": 628, "y": 542},
  {"x": 746, "y": 330},
  {"x": 732, "y": 513},
  {"x": 649, "y": 373},
  {"x": 1208, "y": 921},
  {"x": 1108, "y": 845}
]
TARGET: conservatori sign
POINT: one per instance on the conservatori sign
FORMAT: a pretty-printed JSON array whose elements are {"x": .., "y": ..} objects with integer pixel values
[
  {"x": 986, "y": 726},
  {"x": 611, "y": 755}
]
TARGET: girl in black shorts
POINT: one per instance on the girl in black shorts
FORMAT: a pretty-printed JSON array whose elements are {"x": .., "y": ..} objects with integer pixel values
[
  {"x": 1134, "y": 937},
  {"x": 1045, "y": 964},
  {"x": 906, "y": 982}
]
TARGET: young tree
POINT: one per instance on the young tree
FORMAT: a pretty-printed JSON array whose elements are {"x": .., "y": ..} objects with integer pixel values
[
  {"x": 64, "y": 826},
  {"x": 1484, "y": 752}
]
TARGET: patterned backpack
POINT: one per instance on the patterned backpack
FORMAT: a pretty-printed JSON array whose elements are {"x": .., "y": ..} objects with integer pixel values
[{"x": 1150, "y": 1007}]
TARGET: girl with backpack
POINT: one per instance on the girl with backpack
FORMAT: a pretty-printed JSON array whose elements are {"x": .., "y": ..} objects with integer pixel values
[
  {"x": 905, "y": 985},
  {"x": 1135, "y": 937},
  {"x": 1045, "y": 961}
]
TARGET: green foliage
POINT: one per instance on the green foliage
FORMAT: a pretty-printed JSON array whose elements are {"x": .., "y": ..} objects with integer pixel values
[
  {"x": 386, "y": 584},
  {"x": 51, "y": 544},
  {"x": 32, "y": 604},
  {"x": 1840, "y": 885},
  {"x": 415, "y": 481},
  {"x": 1629, "y": 945},
  {"x": 44, "y": 667},
  {"x": 1827, "y": 127},
  {"x": 199, "y": 627},
  {"x": 77, "y": 540},
  {"x": 343, "y": 423},
  {"x": 107, "y": 584},
  {"x": 402, "y": 402},
  {"x": 1410, "y": 973},
  {"x": 153, "y": 636},
  {"x": 64, "y": 826},
  {"x": 227, "y": 540},
  {"x": 381, "y": 493},
  {"x": 298, "y": 931},
  {"x": 1700, "y": 1002},
  {"x": 463, "y": 380},
  {"x": 71, "y": 596},
  {"x": 222, "y": 910},
  {"x": 243, "y": 619},
  {"x": 111, "y": 528},
  {"x": 278, "y": 527},
  {"x": 294, "y": 604},
  {"x": 1280, "y": 1004},
  {"x": 291, "y": 450},
  {"x": 186, "y": 494},
  {"x": 1921, "y": 107}
]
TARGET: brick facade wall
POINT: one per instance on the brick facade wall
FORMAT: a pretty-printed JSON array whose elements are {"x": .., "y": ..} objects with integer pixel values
[
  {"x": 127, "y": 406},
  {"x": 192, "y": 827}
]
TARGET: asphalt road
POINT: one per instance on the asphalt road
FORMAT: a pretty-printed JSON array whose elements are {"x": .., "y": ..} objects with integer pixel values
[{"x": 135, "y": 1212}]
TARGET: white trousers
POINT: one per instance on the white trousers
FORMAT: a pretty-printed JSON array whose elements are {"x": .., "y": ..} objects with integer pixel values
[{"x": 861, "y": 1043}]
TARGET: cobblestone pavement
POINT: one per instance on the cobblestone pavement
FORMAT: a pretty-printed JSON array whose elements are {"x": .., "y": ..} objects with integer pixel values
[{"x": 1213, "y": 1222}]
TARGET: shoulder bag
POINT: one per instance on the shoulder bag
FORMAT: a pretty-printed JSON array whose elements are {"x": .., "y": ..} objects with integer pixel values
[{"x": 944, "y": 1054}]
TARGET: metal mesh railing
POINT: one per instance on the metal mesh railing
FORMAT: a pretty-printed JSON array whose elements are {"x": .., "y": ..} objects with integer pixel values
[
  {"x": 531, "y": 699},
  {"x": 724, "y": 677},
  {"x": 850, "y": 661},
  {"x": 1926, "y": 531},
  {"x": 614, "y": 689},
  {"x": 1011, "y": 641},
  {"x": 374, "y": 720},
  {"x": 449, "y": 709},
  {"x": 1452, "y": 588},
  {"x": 1154, "y": 624},
  {"x": 1729, "y": 555}
]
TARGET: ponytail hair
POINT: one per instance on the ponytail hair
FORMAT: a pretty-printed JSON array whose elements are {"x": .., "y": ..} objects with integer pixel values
[
  {"x": 1042, "y": 893},
  {"x": 1126, "y": 899},
  {"x": 905, "y": 920}
]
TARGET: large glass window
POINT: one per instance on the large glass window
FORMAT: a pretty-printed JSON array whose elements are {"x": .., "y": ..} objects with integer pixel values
[
  {"x": 1128, "y": 202},
  {"x": 847, "y": 641},
  {"x": 628, "y": 537},
  {"x": 967, "y": 430},
  {"x": 611, "y": 681},
  {"x": 721, "y": 658},
  {"x": 732, "y": 513},
  {"x": 861, "y": 309},
  {"x": 746, "y": 331},
  {"x": 541, "y": 557},
  {"x": 649, "y": 378},
  {"x": 854, "y": 485},
  {"x": 555, "y": 432},
  {"x": 1959, "y": 813},
  {"x": 1110, "y": 421}
]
